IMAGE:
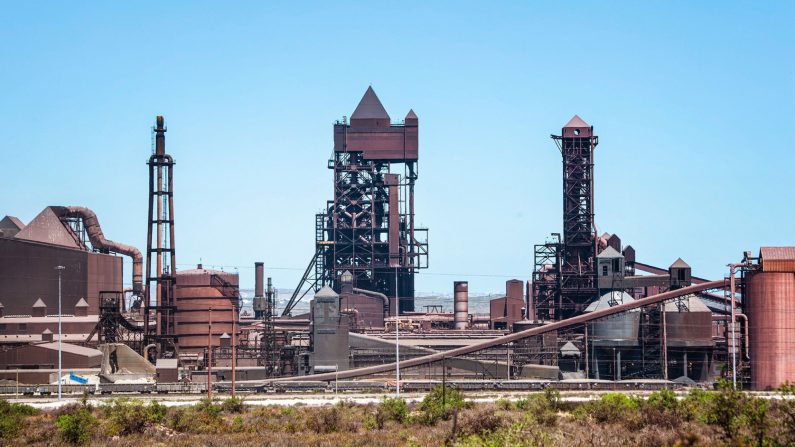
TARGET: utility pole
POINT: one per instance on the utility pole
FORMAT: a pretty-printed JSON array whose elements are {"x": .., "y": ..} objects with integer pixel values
[
  {"x": 397, "y": 336},
  {"x": 60, "y": 270},
  {"x": 234, "y": 349},
  {"x": 210, "y": 356}
]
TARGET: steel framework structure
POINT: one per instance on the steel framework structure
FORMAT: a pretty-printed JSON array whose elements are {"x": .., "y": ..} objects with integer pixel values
[
  {"x": 575, "y": 269},
  {"x": 159, "y": 302},
  {"x": 368, "y": 228}
]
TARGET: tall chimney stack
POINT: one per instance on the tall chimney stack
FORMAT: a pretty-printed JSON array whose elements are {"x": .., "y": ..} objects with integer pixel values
[{"x": 461, "y": 304}]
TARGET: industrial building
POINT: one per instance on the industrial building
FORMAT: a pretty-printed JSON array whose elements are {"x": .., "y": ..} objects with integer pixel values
[{"x": 591, "y": 312}]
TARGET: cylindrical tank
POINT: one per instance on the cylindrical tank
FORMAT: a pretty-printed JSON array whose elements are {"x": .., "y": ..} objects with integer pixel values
[
  {"x": 770, "y": 306},
  {"x": 461, "y": 304},
  {"x": 259, "y": 276},
  {"x": 616, "y": 330},
  {"x": 688, "y": 323},
  {"x": 196, "y": 293}
]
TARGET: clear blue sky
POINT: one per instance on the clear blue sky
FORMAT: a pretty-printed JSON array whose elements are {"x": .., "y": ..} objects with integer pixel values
[{"x": 692, "y": 101}]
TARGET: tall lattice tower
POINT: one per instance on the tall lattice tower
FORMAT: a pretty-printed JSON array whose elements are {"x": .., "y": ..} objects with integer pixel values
[
  {"x": 159, "y": 306},
  {"x": 577, "y": 259}
]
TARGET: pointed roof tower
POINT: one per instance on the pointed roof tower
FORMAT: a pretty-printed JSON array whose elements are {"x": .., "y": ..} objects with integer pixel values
[
  {"x": 679, "y": 263},
  {"x": 577, "y": 128},
  {"x": 411, "y": 118},
  {"x": 370, "y": 112}
]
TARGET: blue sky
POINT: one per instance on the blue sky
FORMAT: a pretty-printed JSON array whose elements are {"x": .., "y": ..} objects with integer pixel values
[{"x": 692, "y": 101}]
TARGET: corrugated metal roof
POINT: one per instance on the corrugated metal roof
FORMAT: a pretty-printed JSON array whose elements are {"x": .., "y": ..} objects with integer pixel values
[
  {"x": 48, "y": 319},
  {"x": 610, "y": 299},
  {"x": 777, "y": 259},
  {"x": 692, "y": 302},
  {"x": 72, "y": 349},
  {"x": 27, "y": 338},
  {"x": 370, "y": 107}
]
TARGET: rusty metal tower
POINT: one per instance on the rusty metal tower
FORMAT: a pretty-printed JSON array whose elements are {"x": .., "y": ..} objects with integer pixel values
[
  {"x": 574, "y": 269},
  {"x": 159, "y": 306},
  {"x": 368, "y": 228}
]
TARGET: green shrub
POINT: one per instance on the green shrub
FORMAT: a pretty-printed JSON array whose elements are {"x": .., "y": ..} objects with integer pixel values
[
  {"x": 77, "y": 427},
  {"x": 324, "y": 420},
  {"x": 612, "y": 407},
  {"x": 696, "y": 406},
  {"x": 198, "y": 419},
  {"x": 664, "y": 399},
  {"x": 208, "y": 406},
  {"x": 233, "y": 405},
  {"x": 440, "y": 403},
  {"x": 755, "y": 415},
  {"x": 370, "y": 422},
  {"x": 515, "y": 435},
  {"x": 727, "y": 409},
  {"x": 12, "y": 418},
  {"x": 543, "y": 408},
  {"x": 394, "y": 409},
  {"x": 127, "y": 416},
  {"x": 504, "y": 404},
  {"x": 786, "y": 407},
  {"x": 480, "y": 422}
]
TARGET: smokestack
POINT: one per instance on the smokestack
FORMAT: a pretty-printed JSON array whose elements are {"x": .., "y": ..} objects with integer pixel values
[
  {"x": 259, "y": 275},
  {"x": 160, "y": 136},
  {"x": 531, "y": 305},
  {"x": 461, "y": 304},
  {"x": 271, "y": 299}
]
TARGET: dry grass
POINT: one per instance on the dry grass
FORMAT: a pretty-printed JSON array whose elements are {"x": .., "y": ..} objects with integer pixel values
[{"x": 538, "y": 421}]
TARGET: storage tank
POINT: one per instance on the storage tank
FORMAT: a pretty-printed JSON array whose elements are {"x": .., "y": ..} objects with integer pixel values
[
  {"x": 196, "y": 292},
  {"x": 770, "y": 307},
  {"x": 461, "y": 304},
  {"x": 688, "y": 323},
  {"x": 616, "y": 330}
]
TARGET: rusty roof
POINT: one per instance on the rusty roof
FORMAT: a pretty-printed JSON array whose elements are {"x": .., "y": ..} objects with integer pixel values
[
  {"x": 777, "y": 259},
  {"x": 679, "y": 264},
  {"x": 370, "y": 107},
  {"x": 47, "y": 227},
  {"x": 778, "y": 253},
  {"x": 576, "y": 121},
  {"x": 11, "y": 222}
]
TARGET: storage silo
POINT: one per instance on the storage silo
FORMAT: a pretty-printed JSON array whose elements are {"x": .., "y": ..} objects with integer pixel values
[
  {"x": 197, "y": 292},
  {"x": 611, "y": 336},
  {"x": 770, "y": 306}
]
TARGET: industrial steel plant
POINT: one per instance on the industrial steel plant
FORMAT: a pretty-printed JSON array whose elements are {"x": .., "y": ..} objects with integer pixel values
[{"x": 591, "y": 314}]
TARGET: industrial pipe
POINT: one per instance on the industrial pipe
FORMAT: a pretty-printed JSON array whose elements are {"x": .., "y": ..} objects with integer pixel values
[
  {"x": 97, "y": 238},
  {"x": 558, "y": 325},
  {"x": 383, "y": 297}
]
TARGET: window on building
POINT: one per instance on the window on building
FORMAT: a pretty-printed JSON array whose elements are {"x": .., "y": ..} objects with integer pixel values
[
  {"x": 604, "y": 270},
  {"x": 23, "y": 327}
]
